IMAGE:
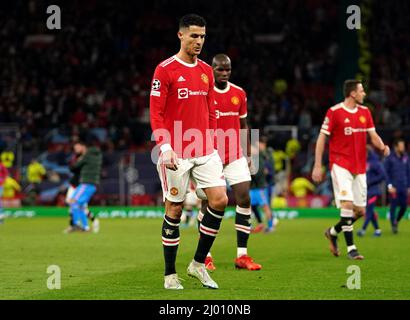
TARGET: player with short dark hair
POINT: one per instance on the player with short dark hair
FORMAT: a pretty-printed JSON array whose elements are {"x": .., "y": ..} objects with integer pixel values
[
  {"x": 182, "y": 120},
  {"x": 231, "y": 112},
  {"x": 349, "y": 86},
  {"x": 192, "y": 19},
  {"x": 347, "y": 125},
  {"x": 397, "y": 167}
]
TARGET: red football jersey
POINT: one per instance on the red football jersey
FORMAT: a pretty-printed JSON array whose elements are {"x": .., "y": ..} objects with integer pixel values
[
  {"x": 348, "y": 133},
  {"x": 182, "y": 107},
  {"x": 230, "y": 106}
]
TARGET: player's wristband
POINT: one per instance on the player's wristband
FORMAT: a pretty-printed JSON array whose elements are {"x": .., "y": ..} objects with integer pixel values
[{"x": 165, "y": 147}]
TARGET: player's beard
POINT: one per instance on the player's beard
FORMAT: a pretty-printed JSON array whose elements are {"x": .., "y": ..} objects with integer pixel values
[{"x": 357, "y": 101}]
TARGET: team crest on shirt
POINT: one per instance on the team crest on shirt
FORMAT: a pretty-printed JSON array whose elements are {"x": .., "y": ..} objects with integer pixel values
[
  {"x": 235, "y": 100},
  {"x": 362, "y": 119},
  {"x": 156, "y": 84},
  {"x": 174, "y": 191},
  {"x": 343, "y": 192},
  {"x": 204, "y": 78}
]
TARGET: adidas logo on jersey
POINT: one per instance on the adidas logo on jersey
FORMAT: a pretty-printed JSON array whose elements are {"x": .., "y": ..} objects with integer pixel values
[
  {"x": 347, "y": 120},
  {"x": 181, "y": 79}
]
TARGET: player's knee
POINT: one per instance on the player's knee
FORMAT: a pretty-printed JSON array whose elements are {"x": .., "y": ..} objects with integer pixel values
[
  {"x": 174, "y": 210},
  {"x": 242, "y": 197},
  {"x": 348, "y": 205},
  {"x": 359, "y": 212},
  {"x": 244, "y": 201},
  {"x": 219, "y": 202}
]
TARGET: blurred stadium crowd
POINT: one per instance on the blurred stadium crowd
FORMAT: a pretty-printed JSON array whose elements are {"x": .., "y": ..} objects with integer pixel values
[{"x": 93, "y": 76}]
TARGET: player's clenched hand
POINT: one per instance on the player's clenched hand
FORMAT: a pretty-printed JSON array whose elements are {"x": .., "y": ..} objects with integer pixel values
[
  {"x": 317, "y": 174},
  {"x": 170, "y": 159}
]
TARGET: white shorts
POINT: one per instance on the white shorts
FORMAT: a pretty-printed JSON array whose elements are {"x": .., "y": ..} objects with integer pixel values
[
  {"x": 237, "y": 171},
  {"x": 191, "y": 199},
  {"x": 348, "y": 187},
  {"x": 205, "y": 171}
]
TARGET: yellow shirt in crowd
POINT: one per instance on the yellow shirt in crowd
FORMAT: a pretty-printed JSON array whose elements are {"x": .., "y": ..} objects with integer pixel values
[
  {"x": 10, "y": 188},
  {"x": 301, "y": 186},
  {"x": 35, "y": 172}
]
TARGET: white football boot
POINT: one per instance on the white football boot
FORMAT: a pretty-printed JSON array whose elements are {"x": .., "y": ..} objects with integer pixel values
[
  {"x": 198, "y": 270},
  {"x": 172, "y": 281}
]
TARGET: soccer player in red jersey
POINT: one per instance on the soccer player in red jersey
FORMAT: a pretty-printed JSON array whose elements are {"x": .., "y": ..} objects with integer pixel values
[
  {"x": 231, "y": 112},
  {"x": 347, "y": 125},
  {"x": 182, "y": 116}
]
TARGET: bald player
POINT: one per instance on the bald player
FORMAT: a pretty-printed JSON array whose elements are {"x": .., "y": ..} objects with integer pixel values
[{"x": 231, "y": 112}]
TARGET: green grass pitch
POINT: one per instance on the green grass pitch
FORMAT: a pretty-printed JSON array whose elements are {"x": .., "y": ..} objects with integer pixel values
[{"x": 124, "y": 261}]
